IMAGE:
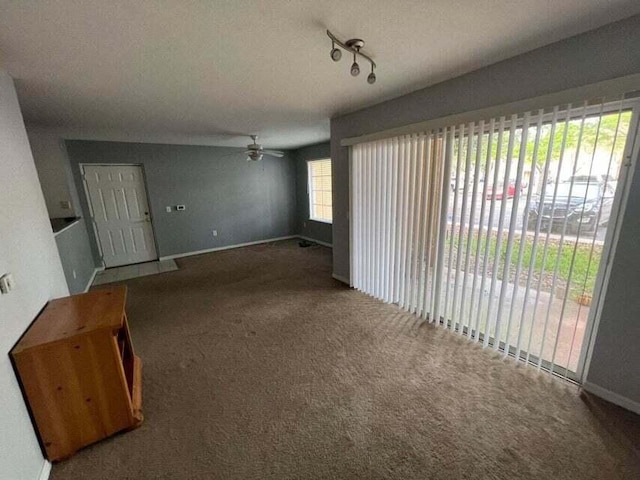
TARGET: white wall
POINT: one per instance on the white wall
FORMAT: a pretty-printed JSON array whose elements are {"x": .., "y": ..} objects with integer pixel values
[
  {"x": 53, "y": 171},
  {"x": 28, "y": 250}
]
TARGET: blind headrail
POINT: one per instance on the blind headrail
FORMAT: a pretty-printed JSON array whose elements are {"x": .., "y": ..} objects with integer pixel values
[{"x": 600, "y": 91}]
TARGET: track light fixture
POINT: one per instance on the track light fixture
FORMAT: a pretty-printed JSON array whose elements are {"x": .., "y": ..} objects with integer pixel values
[
  {"x": 336, "y": 53},
  {"x": 371, "y": 79},
  {"x": 354, "y": 46},
  {"x": 355, "y": 68}
]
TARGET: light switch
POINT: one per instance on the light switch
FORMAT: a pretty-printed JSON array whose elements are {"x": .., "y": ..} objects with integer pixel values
[
  {"x": 168, "y": 209},
  {"x": 6, "y": 283}
]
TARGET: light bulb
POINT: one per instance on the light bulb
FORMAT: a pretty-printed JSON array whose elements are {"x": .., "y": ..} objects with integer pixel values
[
  {"x": 371, "y": 78},
  {"x": 336, "y": 54},
  {"x": 355, "y": 69}
]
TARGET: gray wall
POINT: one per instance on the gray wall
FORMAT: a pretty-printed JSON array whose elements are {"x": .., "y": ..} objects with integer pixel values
[
  {"x": 605, "y": 53},
  {"x": 74, "y": 248},
  {"x": 320, "y": 231},
  {"x": 243, "y": 201},
  {"x": 608, "y": 52},
  {"x": 615, "y": 362},
  {"x": 54, "y": 172},
  {"x": 56, "y": 180}
]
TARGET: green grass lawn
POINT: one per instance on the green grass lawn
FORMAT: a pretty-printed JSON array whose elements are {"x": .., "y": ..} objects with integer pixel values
[{"x": 581, "y": 279}]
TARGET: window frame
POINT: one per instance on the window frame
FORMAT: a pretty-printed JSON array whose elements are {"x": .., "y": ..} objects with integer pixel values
[{"x": 310, "y": 191}]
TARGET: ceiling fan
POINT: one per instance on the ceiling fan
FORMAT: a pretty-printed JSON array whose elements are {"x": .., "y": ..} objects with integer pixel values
[{"x": 255, "y": 151}]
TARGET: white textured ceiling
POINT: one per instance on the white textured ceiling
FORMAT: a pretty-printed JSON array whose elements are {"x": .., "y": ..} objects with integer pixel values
[{"x": 189, "y": 71}]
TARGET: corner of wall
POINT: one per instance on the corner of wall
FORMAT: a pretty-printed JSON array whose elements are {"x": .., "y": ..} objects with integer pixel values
[
  {"x": 29, "y": 252},
  {"x": 306, "y": 228}
]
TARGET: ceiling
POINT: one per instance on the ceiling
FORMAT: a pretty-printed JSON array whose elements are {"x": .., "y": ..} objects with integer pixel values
[{"x": 202, "y": 71}]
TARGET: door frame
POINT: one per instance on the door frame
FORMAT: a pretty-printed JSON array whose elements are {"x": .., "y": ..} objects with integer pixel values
[
  {"x": 618, "y": 209},
  {"x": 90, "y": 206},
  {"x": 631, "y": 159}
]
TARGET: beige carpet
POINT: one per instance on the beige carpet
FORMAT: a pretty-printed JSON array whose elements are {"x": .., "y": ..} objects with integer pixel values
[{"x": 258, "y": 365}]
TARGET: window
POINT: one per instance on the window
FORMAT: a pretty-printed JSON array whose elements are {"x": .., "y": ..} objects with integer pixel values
[
  {"x": 320, "y": 204},
  {"x": 444, "y": 224}
]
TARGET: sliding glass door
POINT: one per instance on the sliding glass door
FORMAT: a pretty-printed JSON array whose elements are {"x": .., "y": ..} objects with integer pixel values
[{"x": 495, "y": 229}]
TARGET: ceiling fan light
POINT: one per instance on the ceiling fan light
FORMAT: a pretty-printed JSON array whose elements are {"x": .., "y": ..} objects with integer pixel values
[
  {"x": 355, "y": 69},
  {"x": 254, "y": 156},
  {"x": 336, "y": 54},
  {"x": 371, "y": 79}
]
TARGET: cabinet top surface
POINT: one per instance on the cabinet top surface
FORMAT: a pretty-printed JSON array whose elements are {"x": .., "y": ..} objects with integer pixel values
[{"x": 76, "y": 315}]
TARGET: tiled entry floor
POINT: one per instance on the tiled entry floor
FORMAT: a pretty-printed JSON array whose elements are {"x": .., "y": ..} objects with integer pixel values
[{"x": 132, "y": 271}]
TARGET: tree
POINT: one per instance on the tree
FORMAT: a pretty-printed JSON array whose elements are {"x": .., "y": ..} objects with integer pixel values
[{"x": 607, "y": 133}]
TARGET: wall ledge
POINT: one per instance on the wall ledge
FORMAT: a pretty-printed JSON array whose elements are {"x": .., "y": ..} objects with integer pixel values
[{"x": 226, "y": 247}]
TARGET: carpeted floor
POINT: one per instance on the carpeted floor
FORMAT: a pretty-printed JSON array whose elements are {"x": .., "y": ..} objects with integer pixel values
[{"x": 258, "y": 365}]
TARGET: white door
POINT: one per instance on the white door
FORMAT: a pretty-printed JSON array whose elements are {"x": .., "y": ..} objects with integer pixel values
[{"x": 120, "y": 210}]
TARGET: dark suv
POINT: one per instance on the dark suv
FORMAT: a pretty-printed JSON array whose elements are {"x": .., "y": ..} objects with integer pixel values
[{"x": 590, "y": 203}]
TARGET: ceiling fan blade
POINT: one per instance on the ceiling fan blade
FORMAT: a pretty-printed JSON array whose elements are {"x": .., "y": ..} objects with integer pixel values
[
  {"x": 273, "y": 153},
  {"x": 233, "y": 154}
]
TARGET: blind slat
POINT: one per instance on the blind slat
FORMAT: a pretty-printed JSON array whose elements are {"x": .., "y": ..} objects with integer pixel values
[{"x": 486, "y": 227}]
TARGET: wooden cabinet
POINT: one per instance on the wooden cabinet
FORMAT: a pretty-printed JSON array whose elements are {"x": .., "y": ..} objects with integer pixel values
[{"x": 79, "y": 372}]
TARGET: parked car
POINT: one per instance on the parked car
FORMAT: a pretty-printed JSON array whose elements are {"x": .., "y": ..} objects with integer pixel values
[
  {"x": 593, "y": 178},
  {"x": 499, "y": 191},
  {"x": 585, "y": 203}
]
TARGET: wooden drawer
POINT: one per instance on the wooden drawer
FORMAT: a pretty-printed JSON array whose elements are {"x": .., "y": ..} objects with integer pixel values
[{"x": 80, "y": 375}]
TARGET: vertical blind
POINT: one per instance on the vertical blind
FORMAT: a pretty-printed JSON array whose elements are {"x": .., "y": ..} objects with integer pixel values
[{"x": 492, "y": 229}]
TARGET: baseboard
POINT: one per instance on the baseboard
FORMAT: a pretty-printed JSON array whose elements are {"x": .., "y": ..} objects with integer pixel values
[
  {"x": 612, "y": 397},
  {"x": 319, "y": 242},
  {"x": 342, "y": 279},
  {"x": 227, "y": 247},
  {"x": 46, "y": 470},
  {"x": 92, "y": 278}
]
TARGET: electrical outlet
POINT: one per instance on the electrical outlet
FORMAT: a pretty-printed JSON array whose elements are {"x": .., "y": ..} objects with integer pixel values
[
  {"x": 6, "y": 283},
  {"x": 180, "y": 207},
  {"x": 215, "y": 233},
  {"x": 168, "y": 209}
]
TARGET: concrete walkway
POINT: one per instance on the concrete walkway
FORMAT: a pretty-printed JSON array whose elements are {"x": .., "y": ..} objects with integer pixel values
[{"x": 548, "y": 309}]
